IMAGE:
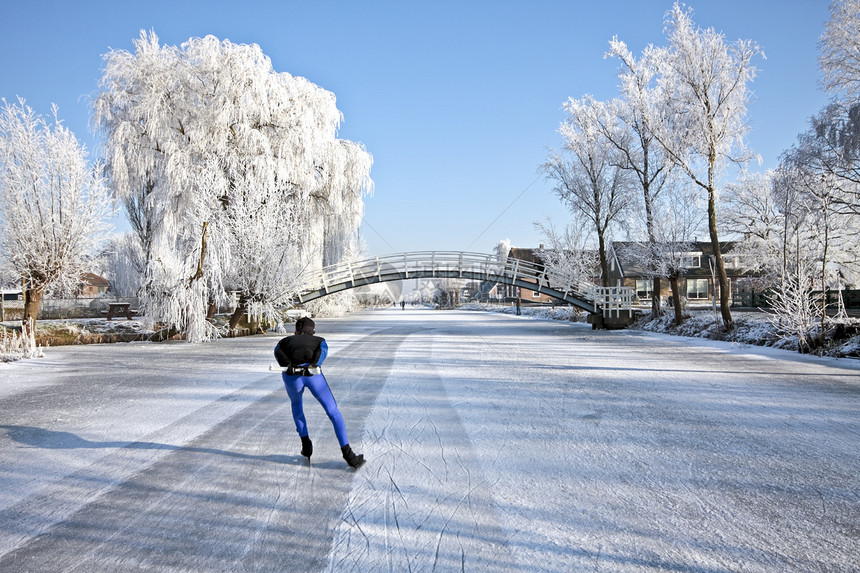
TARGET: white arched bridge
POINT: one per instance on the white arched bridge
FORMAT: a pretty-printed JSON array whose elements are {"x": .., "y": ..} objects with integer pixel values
[{"x": 468, "y": 266}]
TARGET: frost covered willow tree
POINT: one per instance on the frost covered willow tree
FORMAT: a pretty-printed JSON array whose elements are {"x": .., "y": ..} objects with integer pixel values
[
  {"x": 334, "y": 216},
  {"x": 502, "y": 250},
  {"x": 588, "y": 176},
  {"x": 53, "y": 206},
  {"x": 122, "y": 263},
  {"x": 703, "y": 83},
  {"x": 226, "y": 165}
]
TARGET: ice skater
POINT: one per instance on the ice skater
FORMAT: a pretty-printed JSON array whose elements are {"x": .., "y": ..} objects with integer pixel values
[{"x": 301, "y": 355}]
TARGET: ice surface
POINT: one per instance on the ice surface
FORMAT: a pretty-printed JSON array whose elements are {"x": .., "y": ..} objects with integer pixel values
[{"x": 494, "y": 443}]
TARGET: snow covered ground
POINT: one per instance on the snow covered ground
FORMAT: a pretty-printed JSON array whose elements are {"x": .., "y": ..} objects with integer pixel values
[{"x": 494, "y": 443}]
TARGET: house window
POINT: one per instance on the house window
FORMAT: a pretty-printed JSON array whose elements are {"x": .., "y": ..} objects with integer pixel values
[
  {"x": 732, "y": 262},
  {"x": 535, "y": 294},
  {"x": 644, "y": 288},
  {"x": 697, "y": 288},
  {"x": 691, "y": 261}
]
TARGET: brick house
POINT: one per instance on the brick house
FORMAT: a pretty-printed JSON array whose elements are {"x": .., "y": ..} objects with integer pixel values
[
  {"x": 92, "y": 286},
  {"x": 509, "y": 292},
  {"x": 697, "y": 283}
]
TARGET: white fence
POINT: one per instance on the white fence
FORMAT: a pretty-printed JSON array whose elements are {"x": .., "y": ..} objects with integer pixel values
[
  {"x": 613, "y": 300},
  {"x": 59, "y": 308}
]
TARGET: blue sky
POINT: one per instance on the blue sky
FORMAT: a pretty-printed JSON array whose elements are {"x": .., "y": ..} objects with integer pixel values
[{"x": 457, "y": 101}]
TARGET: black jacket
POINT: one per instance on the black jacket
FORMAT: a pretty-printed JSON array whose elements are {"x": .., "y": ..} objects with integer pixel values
[{"x": 300, "y": 349}]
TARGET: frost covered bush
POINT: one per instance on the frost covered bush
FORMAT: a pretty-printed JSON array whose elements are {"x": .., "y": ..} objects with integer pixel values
[
  {"x": 15, "y": 346},
  {"x": 334, "y": 304}
]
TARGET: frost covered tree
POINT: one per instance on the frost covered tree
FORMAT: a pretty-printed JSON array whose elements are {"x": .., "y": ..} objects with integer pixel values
[
  {"x": 839, "y": 57},
  {"x": 833, "y": 234},
  {"x": 750, "y": 210},
  {"x": 335, "y": 216},
  {"x": 233, "y": 172},
  {"x": 502, "y": 249},
  {"x": 831, "y": 147},
  {"x": 792, "y": 282},
  {"x": 588, "y": 177},
  {"x": 53, "y": 206},
  {"x": 772, "y": 213},
  {"x": 633, "y": 136},
  {"x": 567, "y": 258},
  {"x": 801, "y": 221},
  {"x": 704, "y": 86},
  {"x": 122, "y": 264},
  {"x": 796, "y": 236},
  {"x": 677, "y": 218},
  {"x": 830, "y": 150}
]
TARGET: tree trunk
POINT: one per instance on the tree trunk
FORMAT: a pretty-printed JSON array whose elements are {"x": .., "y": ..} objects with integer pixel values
[
  {"x": 604, "y": 262},
  {"x": 32, "y": 302},
  {"x": 676, "y": 299},
  {"x": 728, "y": 322},
  {"x": 652, "y": 237},
  {"x": 655, "y": 298},
  {"x": 240, "y": 310},
  {"x": 824, "y": 271},
  {"x": 211, "y": 310}
]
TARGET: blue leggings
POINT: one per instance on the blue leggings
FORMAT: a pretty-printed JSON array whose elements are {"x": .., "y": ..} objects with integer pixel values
[{"x": 319, "y": 388}]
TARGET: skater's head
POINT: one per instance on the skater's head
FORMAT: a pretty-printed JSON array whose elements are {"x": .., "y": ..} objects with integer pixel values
[{"x": 305, "y": 325}]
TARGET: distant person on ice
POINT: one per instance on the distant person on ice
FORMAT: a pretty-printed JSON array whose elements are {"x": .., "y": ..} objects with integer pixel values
[{"x": 303, "y": 354}]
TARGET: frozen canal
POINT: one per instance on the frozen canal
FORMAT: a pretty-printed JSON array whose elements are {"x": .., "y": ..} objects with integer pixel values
[{"x": 494, "y": 443}]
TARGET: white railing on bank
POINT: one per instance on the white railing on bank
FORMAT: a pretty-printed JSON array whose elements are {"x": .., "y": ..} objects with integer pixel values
[{"x": 611, "y": 300}]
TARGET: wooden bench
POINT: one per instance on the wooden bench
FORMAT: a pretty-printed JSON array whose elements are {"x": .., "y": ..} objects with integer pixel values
[{"x": 119, "y": 309}]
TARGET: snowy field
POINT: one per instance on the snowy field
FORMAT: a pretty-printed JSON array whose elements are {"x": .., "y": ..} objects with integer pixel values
[{"x": 494, "y": 443}]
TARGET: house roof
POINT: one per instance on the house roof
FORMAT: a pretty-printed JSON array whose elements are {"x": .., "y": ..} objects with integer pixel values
[
  {"x": 92, "y": 279},
  {"x": 530, "y": 255},
  {"x": 704, "y": 246},
  {"x": 627, "y": 267}
]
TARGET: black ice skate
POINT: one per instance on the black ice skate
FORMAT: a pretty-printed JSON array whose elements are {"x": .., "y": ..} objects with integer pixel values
[
  {"x": 354, "y": 461},
  {"x": 307, "y": 447}
]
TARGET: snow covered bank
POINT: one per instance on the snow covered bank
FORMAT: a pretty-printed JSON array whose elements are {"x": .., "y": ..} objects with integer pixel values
[
  {"x": 756, "y": 328},
  {"x": 542, "y": 312}
]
